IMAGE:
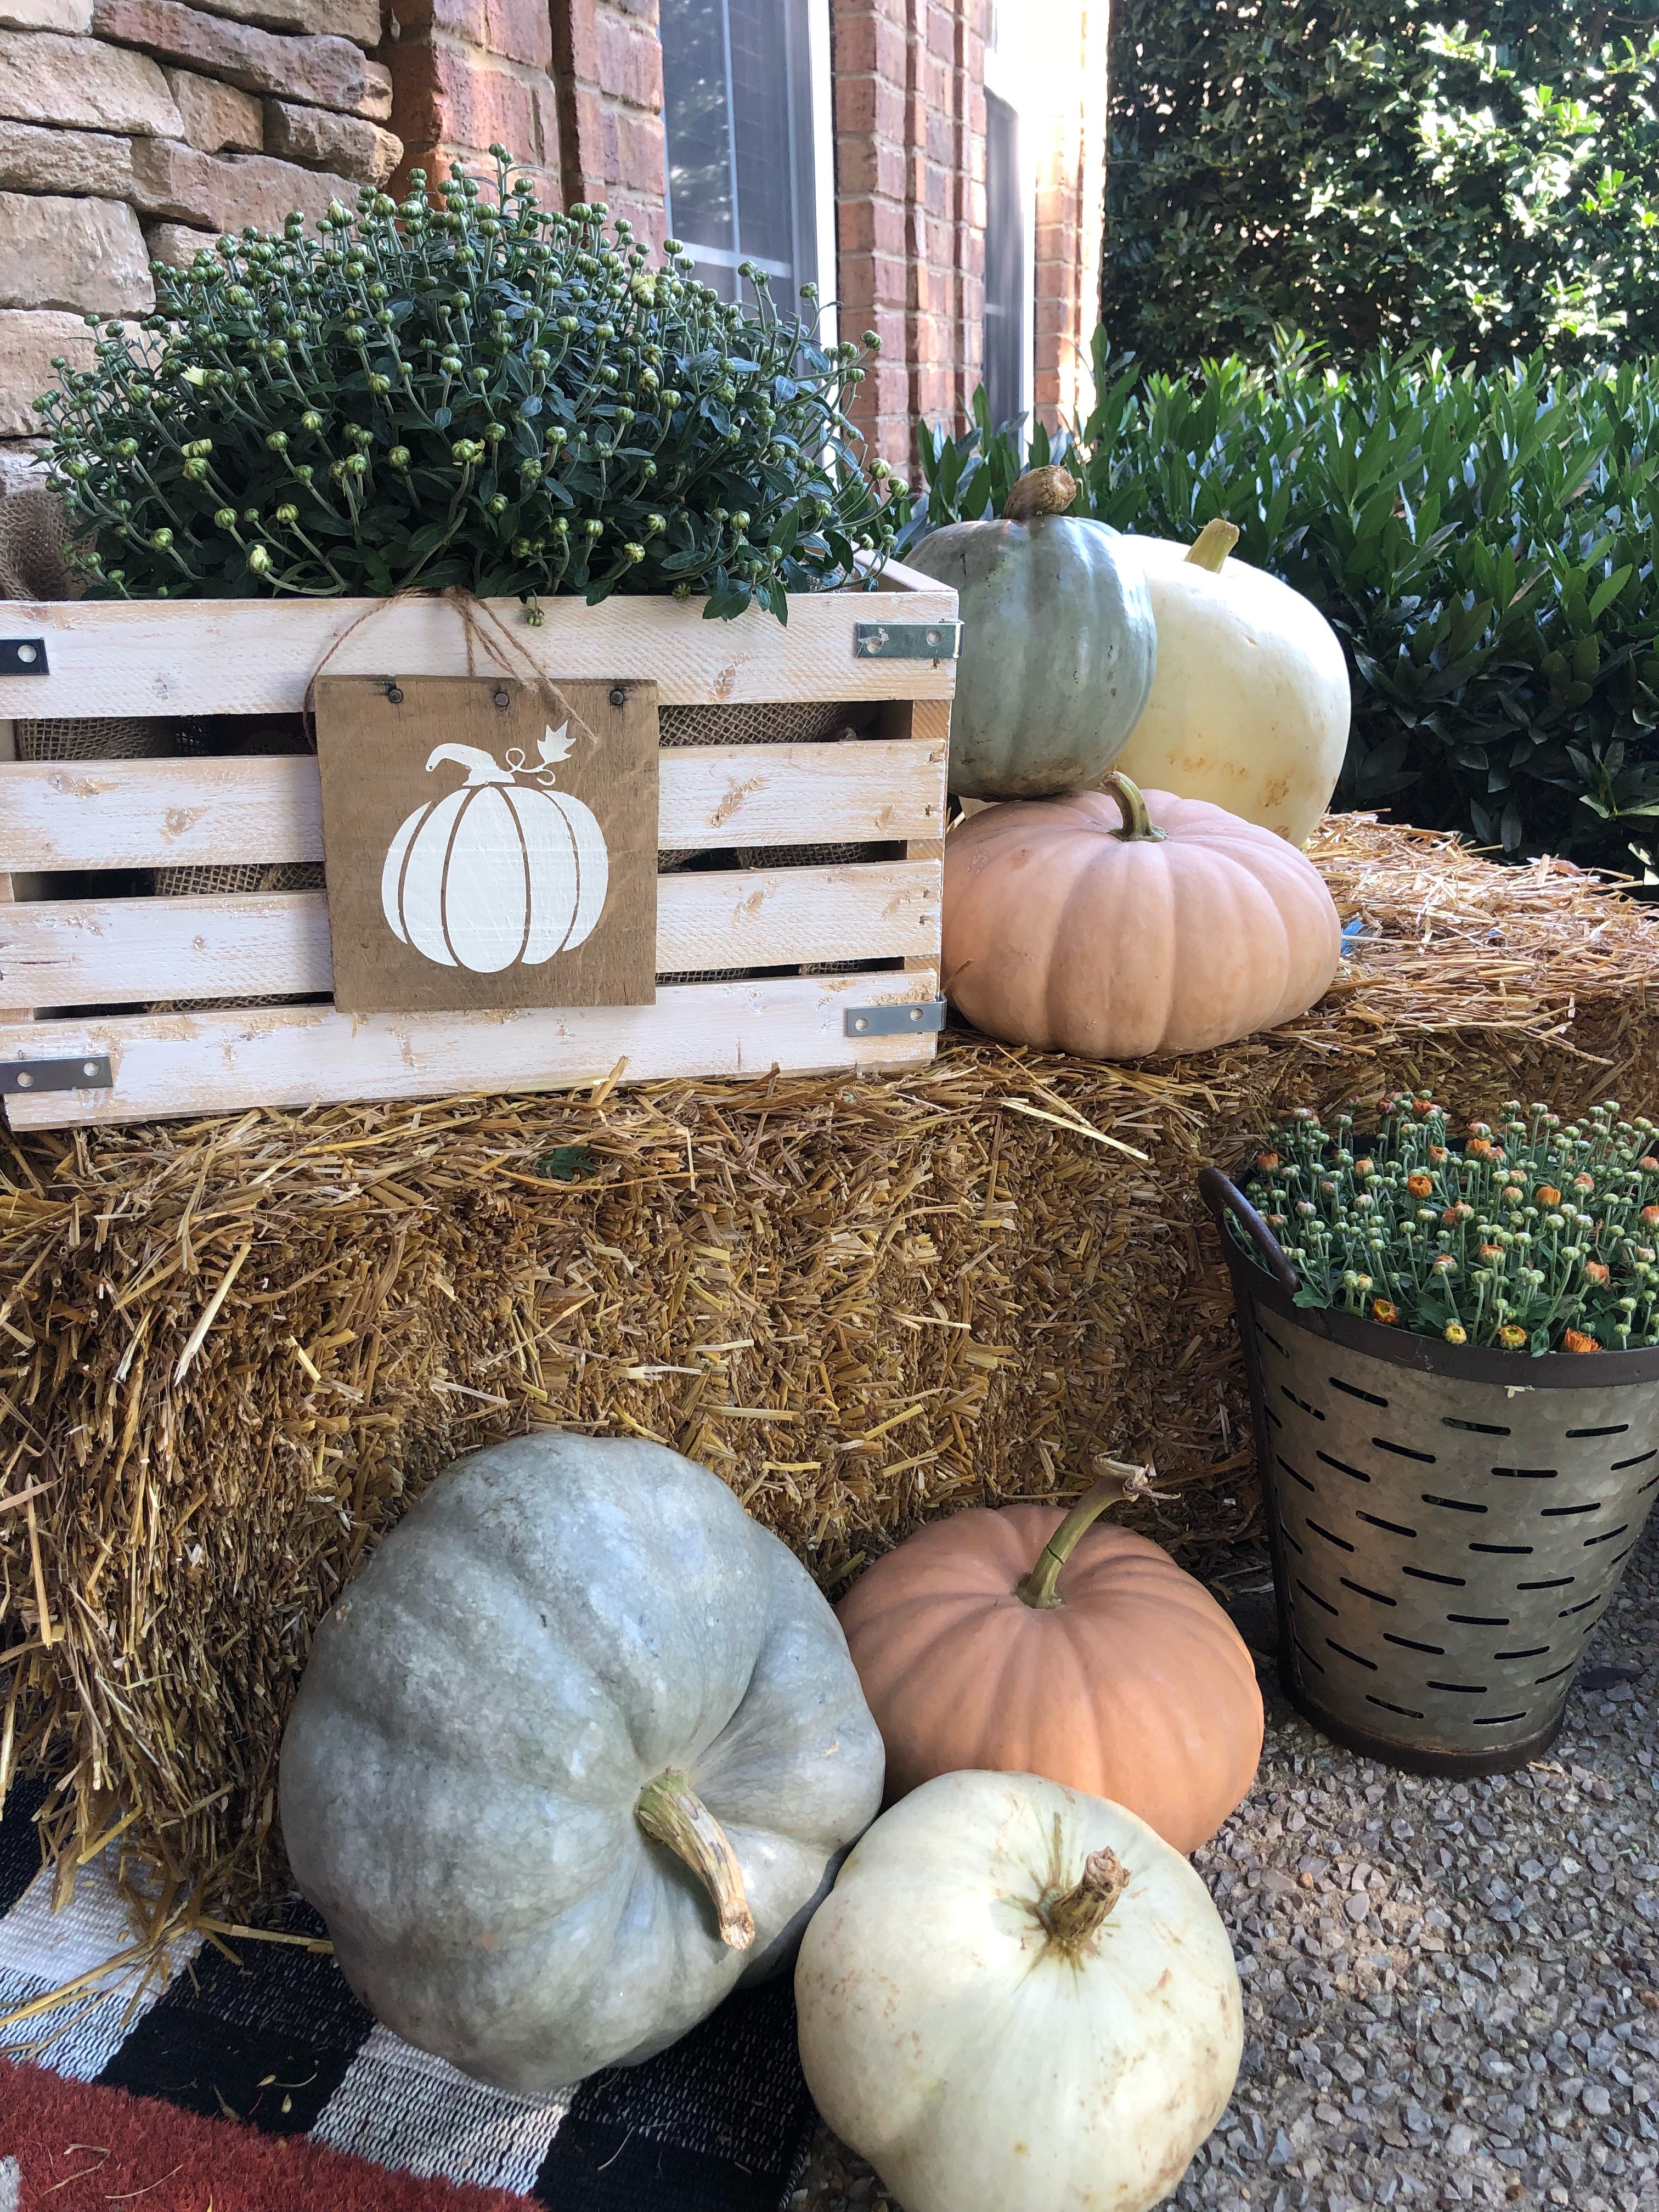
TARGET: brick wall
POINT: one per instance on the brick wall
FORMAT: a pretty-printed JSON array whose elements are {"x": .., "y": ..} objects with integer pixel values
[
  {"x": 608, "y": 58},
  {"x": 1070, "y": 216},
  {"x": 909, "y": 121},
  {"x": 574, "y": 89},
  {"x": 133, "y": 131}
]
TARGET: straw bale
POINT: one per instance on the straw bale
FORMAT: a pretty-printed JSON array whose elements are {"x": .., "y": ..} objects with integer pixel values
[{"x": 231, "y": 1351}]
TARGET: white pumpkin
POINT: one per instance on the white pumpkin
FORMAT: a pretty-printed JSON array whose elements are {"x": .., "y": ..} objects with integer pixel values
[
  {"x": 1250, "y": 703},
  {"x": 1018, "y": 1998},
  {"x": 498, "y": 874}
]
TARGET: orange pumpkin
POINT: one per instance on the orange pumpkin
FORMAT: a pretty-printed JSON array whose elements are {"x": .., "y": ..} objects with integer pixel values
[
  {"x": 1028, "y": 1642},
  {"x": 1115, "y": 923}
]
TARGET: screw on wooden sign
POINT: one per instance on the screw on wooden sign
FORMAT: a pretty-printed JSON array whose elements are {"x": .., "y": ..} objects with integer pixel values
[{"x": 489, "y": 844}]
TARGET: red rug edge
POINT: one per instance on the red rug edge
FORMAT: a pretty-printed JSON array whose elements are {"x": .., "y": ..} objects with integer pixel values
[{"x": 82, "y": 2149}]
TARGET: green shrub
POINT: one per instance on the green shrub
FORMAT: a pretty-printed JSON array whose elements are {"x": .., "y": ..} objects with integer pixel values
[
  {"x": 1485, "y": 546},
  {"x": 1484, "y": 179},
  {"x": 471, "y": 392}
]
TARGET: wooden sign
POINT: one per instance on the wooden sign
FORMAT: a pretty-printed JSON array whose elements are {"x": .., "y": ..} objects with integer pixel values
[{"x": 489, "y": 844}]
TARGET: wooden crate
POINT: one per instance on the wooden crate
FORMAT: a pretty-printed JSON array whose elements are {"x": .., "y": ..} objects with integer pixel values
[{"x": 881, "y": 790}]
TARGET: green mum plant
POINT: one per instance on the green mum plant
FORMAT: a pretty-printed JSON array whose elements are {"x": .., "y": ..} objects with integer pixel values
[
  {"x": 465, "y": 390},
  {"x": 1532, "y": 1235}
]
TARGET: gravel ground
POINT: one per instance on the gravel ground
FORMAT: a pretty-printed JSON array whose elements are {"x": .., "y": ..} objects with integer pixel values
[{"x": 1451, "y": 1990}]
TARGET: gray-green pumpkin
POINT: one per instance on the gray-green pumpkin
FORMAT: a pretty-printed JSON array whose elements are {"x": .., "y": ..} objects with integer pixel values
[
  {"x": 580, "y": 1749},
  {"x": 1058, "y": 643}
]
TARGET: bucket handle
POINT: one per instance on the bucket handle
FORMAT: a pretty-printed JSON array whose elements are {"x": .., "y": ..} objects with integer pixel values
[{"x": 1223, "y": 1196}]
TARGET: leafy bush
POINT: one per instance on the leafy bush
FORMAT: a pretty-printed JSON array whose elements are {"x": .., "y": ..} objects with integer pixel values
[
  {"x": 1485, "y": 546},
  {"x": 470, "y": 392},
  {"x": 1362, "y": 171}
]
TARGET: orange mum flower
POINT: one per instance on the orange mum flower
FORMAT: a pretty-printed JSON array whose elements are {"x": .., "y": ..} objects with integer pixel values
[
  {"x": 1266, "y": 1162},
  {"x": 1596, "y": 1271},
  {"x": 1547, "y": 1194},
  {"x": 1419, "y": 1185},
  {"x": 1479, "y": 1148},
  {"x": 1386, "y": 1311},
  {"x": 1576, "y": 1340}
]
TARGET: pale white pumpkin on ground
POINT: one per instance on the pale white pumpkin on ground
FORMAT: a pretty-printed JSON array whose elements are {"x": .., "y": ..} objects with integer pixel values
[
  {"x": 1250, "y": 703},
  {"x": 997, "y": 2031}
]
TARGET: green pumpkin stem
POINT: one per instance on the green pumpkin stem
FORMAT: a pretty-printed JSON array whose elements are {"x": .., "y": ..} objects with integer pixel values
[
  {"x": 1040, "y": 492},
  {"x": 1138, "y": 827},
  {"x": 1071, "y": 1919},
  {"x": 670, "y": 1812},
  {"x": 1119, "y": 1481},
  {"x": 1213, "y": 544}
]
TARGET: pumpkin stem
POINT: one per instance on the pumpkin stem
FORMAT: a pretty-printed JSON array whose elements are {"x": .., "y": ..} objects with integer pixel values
[
  {"x": 1138, "y": 827},
  {"x": 1040, "y": 492},
  {"x": 1072, "y": 1918},
  {"x": 671, "y": 1812},
  {"x": 1213, "y": 544},
  {"x": 1038, "y": 1588}
]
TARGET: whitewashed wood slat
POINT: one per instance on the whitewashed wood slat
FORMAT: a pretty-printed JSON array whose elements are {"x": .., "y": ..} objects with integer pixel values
[
  {"x": 885, "y": 789},
  {"x": 190, "y": 813},
  {"x": 210, "y": 1063},
  {"x": 88, "y": 953},
  {"x": 258, "y": 656}
]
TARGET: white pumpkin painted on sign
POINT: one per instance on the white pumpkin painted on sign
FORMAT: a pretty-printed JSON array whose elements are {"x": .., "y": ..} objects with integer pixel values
[{"x": 500, "y": 874}]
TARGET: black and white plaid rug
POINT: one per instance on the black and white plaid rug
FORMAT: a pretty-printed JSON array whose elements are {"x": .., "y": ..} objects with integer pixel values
[{"x": 718, "y": 2123}]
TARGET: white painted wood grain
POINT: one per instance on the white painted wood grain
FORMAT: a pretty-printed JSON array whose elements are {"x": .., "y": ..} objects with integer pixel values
[
  {"x": 207, "y": 1063},
  {"x": 89, "y": 952},
  {"x": 186, "y": 813},
  {"x": 258, "y": 656},
  {"x": 768, "y": 917},
  {"x": 861, "y": 790}
]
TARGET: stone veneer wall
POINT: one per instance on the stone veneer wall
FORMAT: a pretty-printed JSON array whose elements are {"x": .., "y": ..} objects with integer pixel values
[{"x": 133, "y": 131}]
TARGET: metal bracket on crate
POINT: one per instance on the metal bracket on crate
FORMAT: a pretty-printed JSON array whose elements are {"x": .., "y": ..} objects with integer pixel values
[
  {"x": 23, "y": 656},
  {"x": 907, "y": 641},
  {"x": 910, "y": 1017},
  {"x": 89, "y": 1073}
]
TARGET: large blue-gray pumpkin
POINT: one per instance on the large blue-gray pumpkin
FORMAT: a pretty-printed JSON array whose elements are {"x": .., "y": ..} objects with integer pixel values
[
  {"x": 580, "y": 1749},
  {"x": 1059, "y": 644}
]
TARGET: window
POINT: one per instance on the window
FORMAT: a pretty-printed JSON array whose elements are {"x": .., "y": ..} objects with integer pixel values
[
  {"x": 1014, "y": 108},
  {"x": 738, "y": 84},
  {"x": 1004, "y": 264}
]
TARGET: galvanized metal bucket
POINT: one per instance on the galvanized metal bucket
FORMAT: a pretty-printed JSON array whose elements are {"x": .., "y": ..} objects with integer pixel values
[{"x": 1447, "y": 1523}]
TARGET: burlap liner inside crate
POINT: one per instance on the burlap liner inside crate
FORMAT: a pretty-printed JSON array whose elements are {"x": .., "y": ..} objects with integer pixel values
[
  {"x": 35, "y": 546},
  {"x": 93, "y": 738}
]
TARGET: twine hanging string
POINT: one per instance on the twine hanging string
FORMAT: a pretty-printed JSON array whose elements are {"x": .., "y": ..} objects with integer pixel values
[{"x": 479, "y": 624}]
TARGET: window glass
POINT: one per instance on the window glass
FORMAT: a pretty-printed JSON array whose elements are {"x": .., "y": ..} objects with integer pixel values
[
  {"x": 738, "y": 115},
  {"x": 697, "y": 119},
  {"x": 1005, "y": 262}
]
